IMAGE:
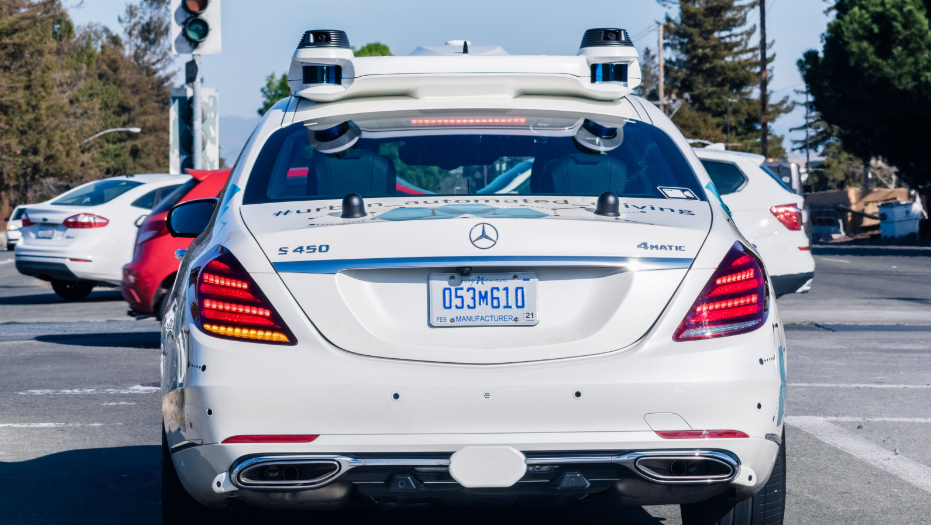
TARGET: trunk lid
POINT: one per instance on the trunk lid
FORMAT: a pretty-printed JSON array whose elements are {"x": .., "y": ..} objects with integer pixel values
[{"x": 602, "y": 281}]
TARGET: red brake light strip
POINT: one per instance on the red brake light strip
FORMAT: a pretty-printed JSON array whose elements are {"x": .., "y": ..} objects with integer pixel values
[{"x": 701, "y": 434}]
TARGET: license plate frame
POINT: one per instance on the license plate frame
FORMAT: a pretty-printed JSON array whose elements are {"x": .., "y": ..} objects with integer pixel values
[
  {"x": 46, "y": 231},
  {"x": 474, "y": 304}
]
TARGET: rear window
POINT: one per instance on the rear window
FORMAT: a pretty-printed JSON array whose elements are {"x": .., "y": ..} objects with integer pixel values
[
  {"x": 96, "y": 193},
  {"x": 778, "y": 179},
  {"x": 727, "y": 178},
  {"x": 569, "y": 155},
  {"x": 18, "y": 214},
  {"x": 149, "y": 200},
  {"x": 175, "y": 196}
]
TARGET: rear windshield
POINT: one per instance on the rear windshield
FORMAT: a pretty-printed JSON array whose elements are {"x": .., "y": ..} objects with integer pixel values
[
  {"x": 175, "y": 196},
  {"x": 96, "y": 193},
  {"x": 778, "y": 179},
  {"x": 18, "y": 214},
  {"x": 149, "y": 200},
  {"x": 727, "y": 177},
  {"x": 473, "y": 155}
]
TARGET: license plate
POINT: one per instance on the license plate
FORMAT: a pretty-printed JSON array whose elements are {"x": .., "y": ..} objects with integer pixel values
[
  {"x": 483, "y": 299},
  {"x": 46, "y": 232}
]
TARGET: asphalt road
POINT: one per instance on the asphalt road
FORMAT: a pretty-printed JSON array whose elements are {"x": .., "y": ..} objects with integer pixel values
[{"x": 79, "y": 416}]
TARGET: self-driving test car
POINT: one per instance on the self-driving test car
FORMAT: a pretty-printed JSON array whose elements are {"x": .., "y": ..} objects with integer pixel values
[
  {"x": 367, "y": 317},
  {"x": 767, "y": 212}
]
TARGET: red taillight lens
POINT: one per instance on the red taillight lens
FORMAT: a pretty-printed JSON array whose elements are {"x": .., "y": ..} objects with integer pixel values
[
  {"x": 230, "y": 304},
  {"x": 26, "y": 221},
  {"x": 789, "y": 215},
  {"x": 701, "y": 434},
  {"x": 272, "y": 438},
  {"x": 733, "y": 302},
  {"x": 85, "y": 220}
]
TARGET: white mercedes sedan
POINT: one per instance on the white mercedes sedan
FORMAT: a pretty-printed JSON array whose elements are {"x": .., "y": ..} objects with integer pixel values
[{"x": 369, "y": 317}]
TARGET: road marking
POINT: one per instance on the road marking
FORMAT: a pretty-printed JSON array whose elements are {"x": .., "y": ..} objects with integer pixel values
[
  {"x": 897, "y": 465},
  {"x": 856, "y": 385},
  {"x": 6, "y": 261},
  {"x": 881, "y": 419},
  {"x": 138, "y": 389},
  {"x": 834, "y": 260},
  {"x": 49, "y": 425},
  {"x": 115, "y": 404}
]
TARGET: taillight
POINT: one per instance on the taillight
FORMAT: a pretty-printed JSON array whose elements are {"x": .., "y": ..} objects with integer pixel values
[
  {"x": 26, "y": 221},
  {"x": 85, "y": 220},
  {"x": 733, "y": 302},
  {"x": 231, "y": 305},
  {"x": 789, "y": 215}
]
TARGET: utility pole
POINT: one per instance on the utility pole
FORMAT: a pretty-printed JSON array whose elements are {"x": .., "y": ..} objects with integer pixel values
[
  {"x": 662, "y": 71},
  {"x": 764, "y": 110},
  {"x": 807, "y": 134},
  {"x": 196, "y": 124}
]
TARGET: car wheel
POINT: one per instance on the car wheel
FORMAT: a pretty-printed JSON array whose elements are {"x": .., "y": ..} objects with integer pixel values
[
  {"x": 179, "y": 508},
  {"x": 10, "y": 247},
  {"x": 72, "y": 290},
  {"x": 766, "y": 507}
]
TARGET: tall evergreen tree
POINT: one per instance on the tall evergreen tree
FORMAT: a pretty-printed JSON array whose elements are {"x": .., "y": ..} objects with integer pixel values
[{"x": 713, "y": 60}]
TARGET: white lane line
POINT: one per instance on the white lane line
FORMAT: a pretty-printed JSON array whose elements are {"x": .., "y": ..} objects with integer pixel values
[
  {"x": 834, "y": 260},
  {"x": 897, "y": 465},
  {"x": 857, "y": 385},
  {"x": 49, "y": 425},
  {"x": 6, "y": 261},
  {"x": 881, "y": 419},
  {"x": 138, "y": 389}
]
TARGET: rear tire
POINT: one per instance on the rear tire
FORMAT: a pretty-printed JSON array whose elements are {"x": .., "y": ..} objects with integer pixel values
[
  {"x": 179, "y": 508},
  {"x": 72, "y": 290},
  {"x": 10, "y": 247},
  {"x": 766, "y": 507}
]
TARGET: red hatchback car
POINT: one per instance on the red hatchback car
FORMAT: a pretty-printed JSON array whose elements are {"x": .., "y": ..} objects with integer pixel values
[{"x": 151, "y": 274}]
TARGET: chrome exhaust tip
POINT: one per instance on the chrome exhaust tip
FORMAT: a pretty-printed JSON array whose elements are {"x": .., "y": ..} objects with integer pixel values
[
  {"x": 285, "y": 473},
  {"x": 685, "y": 469}
]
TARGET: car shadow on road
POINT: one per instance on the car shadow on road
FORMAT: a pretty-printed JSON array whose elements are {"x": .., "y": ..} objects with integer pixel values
[
  {"x": 142, "y": 340},
  {"x": 122, "y": 485},
  {"x": 97, "y": 296},
  {"x": 101, "y": 486}
]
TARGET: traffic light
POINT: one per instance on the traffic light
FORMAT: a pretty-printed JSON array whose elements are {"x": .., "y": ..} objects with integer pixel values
[{"x": 195, "y": 27}]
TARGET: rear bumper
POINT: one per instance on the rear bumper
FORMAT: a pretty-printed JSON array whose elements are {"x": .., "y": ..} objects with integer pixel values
[
  {"x": 793, "y": 283},
  {"x": 46, "y": 270}
]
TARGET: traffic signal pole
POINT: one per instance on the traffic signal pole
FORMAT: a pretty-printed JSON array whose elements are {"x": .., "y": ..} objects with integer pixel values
[{"x": 197, "y": 119}]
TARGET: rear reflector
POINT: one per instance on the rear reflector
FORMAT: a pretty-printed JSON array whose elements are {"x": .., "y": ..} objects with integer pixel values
[
  {"x": 804, "y": 248},
  {"x": 789, "y": 215},
  {"x": 79, "y": 260},
  {"x": 733, "y": 302},
  {"x": 272, "y": 438},
  {"x": 700, "y": 434},
  {"x": 231, "y": 305}
]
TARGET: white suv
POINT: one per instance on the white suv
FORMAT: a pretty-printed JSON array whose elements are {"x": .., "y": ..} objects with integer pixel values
[
  {"x": 366, "y": 317},
  {"x": 767, "y": 212}
]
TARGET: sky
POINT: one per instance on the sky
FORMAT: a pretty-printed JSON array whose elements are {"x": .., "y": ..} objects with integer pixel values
[{"x": 260, "y": 37}]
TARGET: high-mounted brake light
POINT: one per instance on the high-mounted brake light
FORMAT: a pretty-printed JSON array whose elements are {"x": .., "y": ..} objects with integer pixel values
[
  {"x": 701, "y": 434},
  {"x": 735, "y": 300},
  {"x": 466, "y": 121},
  {"x": 85, "y": 220},
  {"x": 789, "y": 215},
  {"x": 272, "y": 438},
  {"x": 231, "y": 305}
]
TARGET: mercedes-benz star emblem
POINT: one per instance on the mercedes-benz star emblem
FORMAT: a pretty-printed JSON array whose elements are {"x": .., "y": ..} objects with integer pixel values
[{"x": 483, "y": 236}]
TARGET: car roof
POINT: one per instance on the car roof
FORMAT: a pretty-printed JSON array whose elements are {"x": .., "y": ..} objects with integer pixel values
[{"x": 711, "y": 152}]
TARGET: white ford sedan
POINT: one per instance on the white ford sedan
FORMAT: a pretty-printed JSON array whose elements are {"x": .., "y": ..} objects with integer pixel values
[
  {"x": 368, "y": 316},
  {"x": 82, "y": 239}
]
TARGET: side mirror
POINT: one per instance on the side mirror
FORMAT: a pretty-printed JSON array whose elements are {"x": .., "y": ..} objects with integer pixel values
[{"x": 190, "y": 219}]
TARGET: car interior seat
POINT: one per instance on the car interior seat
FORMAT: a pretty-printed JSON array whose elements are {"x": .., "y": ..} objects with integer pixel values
[
  {"x": 579, "y": 174},
  {"x": 360, "y": 171}
]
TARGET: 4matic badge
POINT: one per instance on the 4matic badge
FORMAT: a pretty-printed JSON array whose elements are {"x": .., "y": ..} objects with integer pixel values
[{"x": 668, "y": 247}]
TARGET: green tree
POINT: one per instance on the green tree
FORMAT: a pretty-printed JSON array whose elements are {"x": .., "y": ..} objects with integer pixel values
[
  {"x": 276, "y": 88},
  {"x": 713, "y": 59},
  {"x": 373, "y": 49},
  {"x": 872, "y": 82},
  {"x": 649, "y": 76}
]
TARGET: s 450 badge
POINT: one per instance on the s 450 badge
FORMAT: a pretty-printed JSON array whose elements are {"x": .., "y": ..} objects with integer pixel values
[{"x": 313, "y": 248}]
